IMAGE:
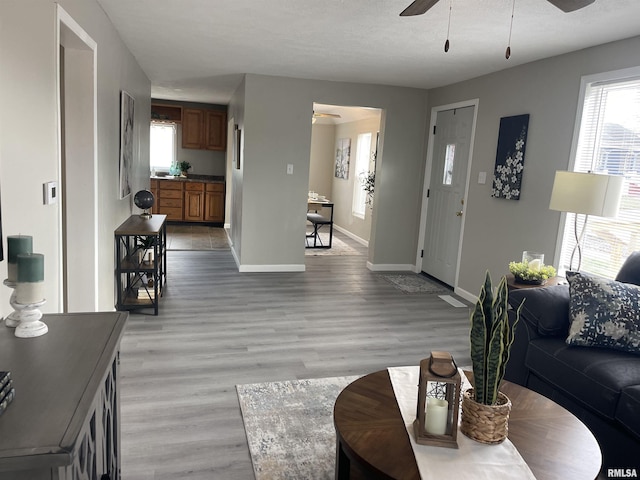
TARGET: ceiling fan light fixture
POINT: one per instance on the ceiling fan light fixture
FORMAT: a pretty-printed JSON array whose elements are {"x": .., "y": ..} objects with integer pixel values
[
  {"x": 568, "y": 6},
  {"x": 446, "y": 44}
]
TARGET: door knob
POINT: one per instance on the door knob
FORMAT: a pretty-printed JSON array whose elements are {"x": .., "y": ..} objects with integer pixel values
[{"x": 459, "y": 214}]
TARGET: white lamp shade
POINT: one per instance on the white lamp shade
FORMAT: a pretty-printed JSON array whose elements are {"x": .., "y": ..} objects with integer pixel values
[{"x": 586, "y": 193}]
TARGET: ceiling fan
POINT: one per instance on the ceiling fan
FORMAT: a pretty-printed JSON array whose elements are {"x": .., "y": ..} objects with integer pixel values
[{"x": 418, "y": 7}]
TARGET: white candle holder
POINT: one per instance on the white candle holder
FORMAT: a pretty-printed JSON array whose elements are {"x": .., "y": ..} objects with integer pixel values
[
  {"x": 30, "y": 325},
  {"x": 13, "y": 319}
]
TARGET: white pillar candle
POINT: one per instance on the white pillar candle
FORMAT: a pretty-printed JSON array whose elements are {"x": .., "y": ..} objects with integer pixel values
[
  {"x": 535, "y": 265},
  {"x": 437, "y": 413},
  {"x": 28, "y": 293},
  {"x": 30, "y": 278}
]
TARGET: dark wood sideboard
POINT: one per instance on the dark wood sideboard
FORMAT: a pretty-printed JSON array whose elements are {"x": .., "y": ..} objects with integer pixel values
[{"x": 64, "y": 422}]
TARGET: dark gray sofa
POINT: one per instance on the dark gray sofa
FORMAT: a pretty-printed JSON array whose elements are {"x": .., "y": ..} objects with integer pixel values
[{"x": 601, "y": 386}]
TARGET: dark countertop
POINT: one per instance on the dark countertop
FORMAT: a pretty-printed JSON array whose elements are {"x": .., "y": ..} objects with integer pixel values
[{"x": 192, "y": 178}]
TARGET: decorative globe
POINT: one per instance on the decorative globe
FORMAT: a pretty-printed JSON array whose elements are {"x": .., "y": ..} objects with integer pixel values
[{"x": 144, "y": 199}]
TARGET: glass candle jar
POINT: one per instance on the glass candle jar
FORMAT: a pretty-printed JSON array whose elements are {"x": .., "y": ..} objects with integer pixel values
[{"x": 535, "y": 260}]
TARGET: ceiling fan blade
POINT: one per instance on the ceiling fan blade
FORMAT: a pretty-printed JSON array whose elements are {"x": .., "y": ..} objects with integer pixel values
[
  {"x": 418, "y": 7},
  {"x": 570, "y": 5}
]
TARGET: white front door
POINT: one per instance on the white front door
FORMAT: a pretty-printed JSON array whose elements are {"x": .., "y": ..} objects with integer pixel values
[{"x": 452, "y": 143}]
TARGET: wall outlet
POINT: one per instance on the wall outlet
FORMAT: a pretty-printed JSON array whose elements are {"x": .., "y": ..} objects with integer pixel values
[
  {"x": 482, "y": 178},
  {"x": 289, "y": 168}
]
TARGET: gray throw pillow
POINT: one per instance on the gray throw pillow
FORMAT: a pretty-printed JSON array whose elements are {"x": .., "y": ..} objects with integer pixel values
[{"x": 604, "y": 313}]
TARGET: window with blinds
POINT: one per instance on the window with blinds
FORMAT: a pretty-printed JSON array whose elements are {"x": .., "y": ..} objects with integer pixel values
[{"x": 609, "y": 143}]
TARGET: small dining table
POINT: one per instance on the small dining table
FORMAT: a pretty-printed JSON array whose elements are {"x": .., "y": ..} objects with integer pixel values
[{"x": 314, "y": 204}]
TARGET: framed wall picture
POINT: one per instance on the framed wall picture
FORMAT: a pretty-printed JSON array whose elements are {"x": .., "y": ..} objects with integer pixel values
[
  {"x": 126, "y": 143},
  {"x": 236, "y": 146},
  {"x": 512, "y": 140},
  {"x": 343, "y": 157}
]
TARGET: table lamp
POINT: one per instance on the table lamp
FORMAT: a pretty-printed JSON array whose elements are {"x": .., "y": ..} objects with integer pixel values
[{"x": 586, "y": 194}]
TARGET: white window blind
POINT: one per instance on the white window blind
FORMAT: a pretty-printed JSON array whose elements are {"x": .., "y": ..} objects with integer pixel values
[
  {"x": 362, "y": 169},
  {"x": 162, "y": 142},
  {"x": 609, "y": 142}
]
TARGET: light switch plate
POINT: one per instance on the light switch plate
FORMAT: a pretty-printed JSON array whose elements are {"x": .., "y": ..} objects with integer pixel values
[
  {"x": 482, "y": 178},
  {"x": 289, "y": 168}
]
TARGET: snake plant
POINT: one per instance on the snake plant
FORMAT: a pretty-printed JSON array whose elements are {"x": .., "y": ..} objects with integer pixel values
[{"x": 491, "y": 339}]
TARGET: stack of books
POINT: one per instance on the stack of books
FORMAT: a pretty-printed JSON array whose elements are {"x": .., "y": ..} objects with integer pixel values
[{"x": 7, "y": 392}]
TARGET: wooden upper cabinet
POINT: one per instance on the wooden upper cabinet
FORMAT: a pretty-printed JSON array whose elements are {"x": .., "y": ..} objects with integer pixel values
[
  {"x": 204, "y": 129},
  {"x": 215, "y": 130},
  {"x": 192, "y": 128}
]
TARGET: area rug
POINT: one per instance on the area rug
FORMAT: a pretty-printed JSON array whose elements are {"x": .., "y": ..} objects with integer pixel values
[
  {"x": 413, "y": 283},
  {"x": 338, "y": 247},
  {"x": 289, "y": 427}
]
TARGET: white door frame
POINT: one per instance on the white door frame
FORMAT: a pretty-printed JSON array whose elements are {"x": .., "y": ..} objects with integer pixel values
[
  {"x": 83, "y": 235},
  {"x": 427, "y": 180}
]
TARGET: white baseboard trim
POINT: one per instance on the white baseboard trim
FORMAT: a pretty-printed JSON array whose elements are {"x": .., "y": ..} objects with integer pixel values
[
  {"x": 469, "y": 297},
  {"x": 266, "y": 268},
  {"x": 361, "y": 241},
  {"x": 271, "y": 268},
  {"x": 390, "y": 267},
  {"x": 235, "y": 256}
]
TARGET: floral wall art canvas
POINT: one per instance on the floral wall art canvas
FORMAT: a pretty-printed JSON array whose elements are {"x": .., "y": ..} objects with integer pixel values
[
  {"x": 343, "y": 156},
  {"x": 512, "y": 140}
]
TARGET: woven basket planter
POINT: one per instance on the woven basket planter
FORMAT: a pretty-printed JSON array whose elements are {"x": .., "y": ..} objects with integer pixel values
[{"x": 485, "y": 423}]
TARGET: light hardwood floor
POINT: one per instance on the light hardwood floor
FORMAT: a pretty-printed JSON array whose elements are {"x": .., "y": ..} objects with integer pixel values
[{"x": 217, "y": 328}]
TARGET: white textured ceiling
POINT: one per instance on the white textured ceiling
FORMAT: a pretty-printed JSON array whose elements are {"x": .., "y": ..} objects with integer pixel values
[{"x": 197, "y": 50}]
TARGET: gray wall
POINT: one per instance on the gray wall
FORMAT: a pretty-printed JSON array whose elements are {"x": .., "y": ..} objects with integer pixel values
[
  {"x": 343, "y": 189},
  {"x": 497, "y": 230},
  {"x": 29, "y": 144},
  {"x": 272, "y": 204}
]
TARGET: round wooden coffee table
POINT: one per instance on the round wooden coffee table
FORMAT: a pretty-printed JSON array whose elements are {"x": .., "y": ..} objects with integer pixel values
[{"x": 372, "y": 440}]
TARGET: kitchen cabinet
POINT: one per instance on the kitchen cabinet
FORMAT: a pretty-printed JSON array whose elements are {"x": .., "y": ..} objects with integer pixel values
[
  {"x": 194, "y": 202},
  {"x": 153, "y": 188},
  {"x": 214, "y": 203},
  {"x": 189, "y": 200},
  {"x": 204, "y": 129},
  {"x": 171, "y": 199},
  {"x": 215, "y": 129},
  {"x": 192, "y": 128},
  {"x": 65, "y": 420}
]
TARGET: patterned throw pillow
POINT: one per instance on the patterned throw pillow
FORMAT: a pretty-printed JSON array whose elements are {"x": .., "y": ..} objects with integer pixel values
[{"x": 603, "y": 313}]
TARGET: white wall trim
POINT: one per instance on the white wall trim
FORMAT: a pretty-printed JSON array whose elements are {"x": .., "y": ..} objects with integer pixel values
[
  {"x": 272, "y": 268},
  {"x": 390, "y": 267},
  {"x": 63, "y": 18},
  {"x": 351, "y": 235},
  {"x": 468, "y": 296},
  {"x": 427, "y": 180}
]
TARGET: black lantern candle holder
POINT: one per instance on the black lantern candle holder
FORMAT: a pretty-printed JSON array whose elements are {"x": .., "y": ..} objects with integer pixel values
[{"x": 438, "y": 401}]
